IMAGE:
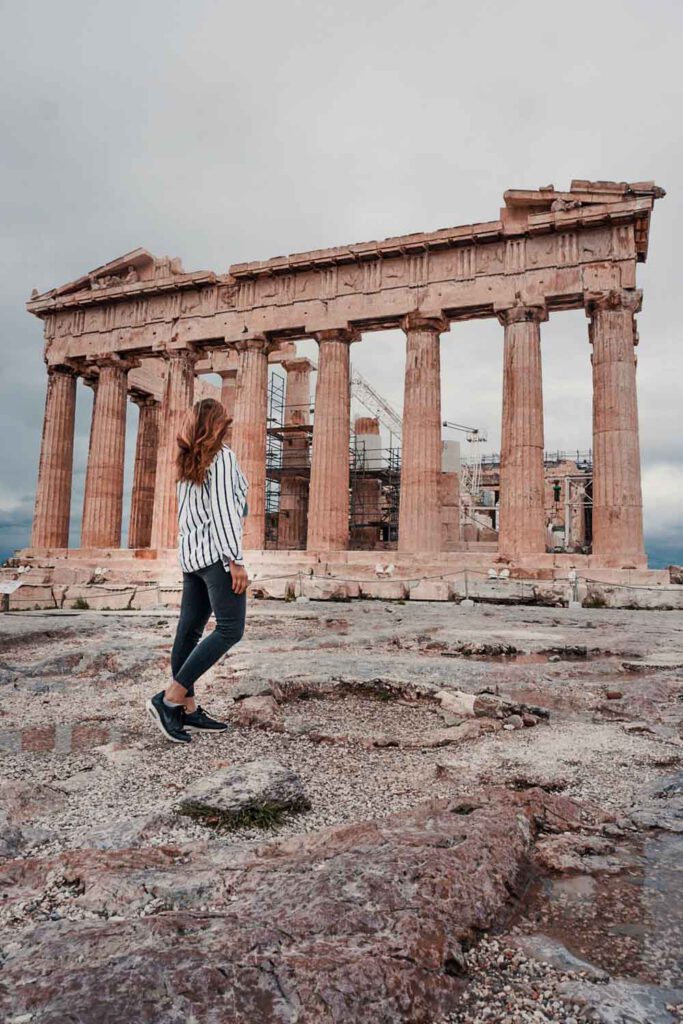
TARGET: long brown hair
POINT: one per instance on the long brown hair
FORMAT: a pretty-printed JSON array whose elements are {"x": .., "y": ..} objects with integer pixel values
[{"x": 200, "y": 438}]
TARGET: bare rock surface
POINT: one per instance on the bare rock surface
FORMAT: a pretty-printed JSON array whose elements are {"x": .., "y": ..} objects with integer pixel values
[
  {"x": 663, "y": 807},
  {"x": 124, "y": 833},
  {"x": 23, "y": 801},
  {"x": 12, "y": 839},
  {"x": 625, "y": 1002},
  {"x": 363, "y": 923}
]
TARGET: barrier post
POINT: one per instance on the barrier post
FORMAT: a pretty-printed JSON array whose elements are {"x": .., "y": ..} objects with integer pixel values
[{"x": 467, "y": 602}]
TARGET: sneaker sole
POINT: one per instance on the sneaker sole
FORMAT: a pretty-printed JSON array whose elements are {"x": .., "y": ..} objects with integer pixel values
[
  {"x": 198, "y": 728},
  {"x": 156, "y": 718}
]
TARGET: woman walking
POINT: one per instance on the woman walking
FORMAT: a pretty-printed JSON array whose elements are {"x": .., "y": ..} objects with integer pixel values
[{"x": 211, "y": 505}]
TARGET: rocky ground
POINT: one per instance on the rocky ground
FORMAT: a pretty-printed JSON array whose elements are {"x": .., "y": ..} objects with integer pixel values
[{"x": 487, "y": 795}]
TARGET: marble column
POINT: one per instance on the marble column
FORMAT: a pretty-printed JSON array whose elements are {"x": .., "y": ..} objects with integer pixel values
[
  {"x": 522, "y": 476},
  {"x": 144, "y": 473},
  {"x": 617, "y": 496},
  {"x": 249, "y": 433},
  {"x": 53, "y": 495},
  {"x": 419, "y": 516},
  {"x": 228, "y": 396},
  {"x": 103, "y": 498},
  {"x": 293, "y": 515},
  {"x": 178, "y": 398},
  {"x": 328, "y": 504}
]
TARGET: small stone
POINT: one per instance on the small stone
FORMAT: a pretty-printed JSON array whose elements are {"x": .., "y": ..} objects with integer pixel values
[
  {"x": 259, "y": 711},
  {"x": 637, "y": 727},
  {"x": 457, "y": 703},
  {"x": 251, "y": 793}
]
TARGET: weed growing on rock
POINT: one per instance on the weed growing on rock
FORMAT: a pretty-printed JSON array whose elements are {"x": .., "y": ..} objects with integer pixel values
[{"x": 262, "y": 816}]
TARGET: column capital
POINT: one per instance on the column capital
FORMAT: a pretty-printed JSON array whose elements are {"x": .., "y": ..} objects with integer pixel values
[
  {"x": 112, "y": 360},
  {"x": 227, "y": 374},
  {"x": 190, "y": 355},
  {"x": 254, "y": 343},
  {"x": 345, "y": 334},
  {"x": 520, "y": 313},
  {"x": 627, "y": 299},
  {"x": 143, "y": 400},
  {"x": 419, "y": 320},
  {"x": 53, "y": 369},
  {"x": 298, "y": 364}
]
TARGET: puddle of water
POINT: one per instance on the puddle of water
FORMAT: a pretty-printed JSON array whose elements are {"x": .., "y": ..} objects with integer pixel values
[
  {"x": 534, "y": 657},
  {"x": 531, "y": 658},
  {"x": 628, "y": 924}
]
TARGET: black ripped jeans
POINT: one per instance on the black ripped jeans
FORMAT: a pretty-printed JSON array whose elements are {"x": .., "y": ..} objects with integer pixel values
[{"x": 205, "y": 591}]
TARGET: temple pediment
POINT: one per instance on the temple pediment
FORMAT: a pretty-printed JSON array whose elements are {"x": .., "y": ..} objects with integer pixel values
[{"x": 134, "y": 271}]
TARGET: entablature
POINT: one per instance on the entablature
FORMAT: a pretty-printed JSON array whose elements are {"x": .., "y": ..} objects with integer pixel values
[{"x": 548, "y": 246}]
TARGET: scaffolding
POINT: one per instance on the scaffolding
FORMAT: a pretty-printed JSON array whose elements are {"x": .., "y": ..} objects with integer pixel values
[
  {"x": 375, "y": 477},
  {"x": 274, "y": 447},
  {"x": 374, "y": 488},
  {"x": 583, "y": 459},
  {"x": 569, "y": 509}
]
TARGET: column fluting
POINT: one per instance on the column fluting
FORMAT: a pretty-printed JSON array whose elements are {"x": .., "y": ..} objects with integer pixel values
[
  {"x": 249, "y": 433},
  {"x": 522, "y": 474},
  {"x": 617, "y": 495},
  {"x": 103, "y": 498},
  {"x": 328, "y": 504},
  {"x": 144, "y": 473},
  {"x": 419, "y": 519},
  {"x": 53, "y": 494},
  {"x": 228, "y": 397},
  {"x": 178, "y": 398}
]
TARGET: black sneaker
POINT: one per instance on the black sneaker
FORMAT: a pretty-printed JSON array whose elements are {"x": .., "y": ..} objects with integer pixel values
[
  {"x": 201, "y": 722},
  {"x": 169, "y": 720}
]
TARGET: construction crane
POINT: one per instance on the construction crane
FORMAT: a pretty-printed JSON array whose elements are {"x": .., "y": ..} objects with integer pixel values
[
  {"x": 472, "y": 434},
  {"x": 470, "y": 469},
  {"x": 470, "y": 472},
  {"x": 375, "y": 404}
]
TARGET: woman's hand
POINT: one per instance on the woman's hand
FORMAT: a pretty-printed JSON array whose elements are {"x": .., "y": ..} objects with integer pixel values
[{"x": 240, "y": 579}]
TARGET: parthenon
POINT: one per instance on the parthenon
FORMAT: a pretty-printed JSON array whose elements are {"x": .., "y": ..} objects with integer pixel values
[{"x": 144, "y": 329}]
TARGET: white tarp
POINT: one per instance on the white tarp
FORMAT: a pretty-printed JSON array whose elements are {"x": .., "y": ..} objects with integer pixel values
[{"x": 9, "y": 586}]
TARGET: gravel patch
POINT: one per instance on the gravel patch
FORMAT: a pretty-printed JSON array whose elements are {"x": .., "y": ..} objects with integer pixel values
[{"x": 507, "y": 987}]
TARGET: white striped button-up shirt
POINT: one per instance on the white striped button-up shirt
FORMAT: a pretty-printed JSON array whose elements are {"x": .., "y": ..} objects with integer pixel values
[{"x": 210, "y": 515}]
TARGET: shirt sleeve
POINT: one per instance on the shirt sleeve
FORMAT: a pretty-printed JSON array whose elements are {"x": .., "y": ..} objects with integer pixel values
[{"x": 228, "y": 489}]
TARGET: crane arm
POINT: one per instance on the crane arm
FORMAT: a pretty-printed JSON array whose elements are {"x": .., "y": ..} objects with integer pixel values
[{"x": 374, "y": 403}]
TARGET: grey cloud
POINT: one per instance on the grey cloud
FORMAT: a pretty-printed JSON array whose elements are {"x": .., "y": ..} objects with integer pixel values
[{"x": 221, "y": 132}]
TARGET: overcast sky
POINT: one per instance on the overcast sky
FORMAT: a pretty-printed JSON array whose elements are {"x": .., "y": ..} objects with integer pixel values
[{"x": 226, "y": 131}]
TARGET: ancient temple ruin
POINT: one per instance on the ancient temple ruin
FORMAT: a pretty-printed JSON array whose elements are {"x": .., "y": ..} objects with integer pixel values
[{"x": 142, "y": 329}]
